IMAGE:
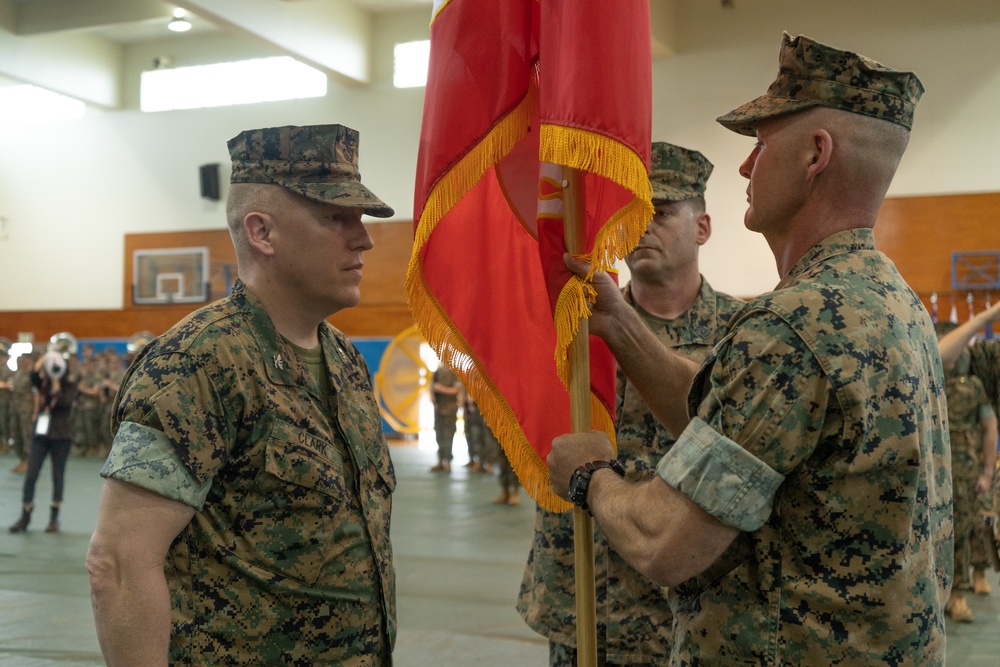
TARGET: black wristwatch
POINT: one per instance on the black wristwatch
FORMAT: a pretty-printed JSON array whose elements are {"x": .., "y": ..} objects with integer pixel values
[{"x": 579, "y": 482}]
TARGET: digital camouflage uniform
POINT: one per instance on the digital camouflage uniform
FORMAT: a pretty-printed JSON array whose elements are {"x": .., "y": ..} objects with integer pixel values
[
  {"x": 986, "y": 367},
  {"x": 23, "y": 408},
  {"x": 819, "y": 432},
  {"x": 475, "y": 438},
  {"x": 287, "y": 559},
  {"x": 88, "y": 410},
  {"x": 633, "y": 614},
  {"x": 445, "y": 412},
  {"x": 6, "y": 403},
  {"x": 109, "y": 387},
  {"x": 968, "y": 406}
]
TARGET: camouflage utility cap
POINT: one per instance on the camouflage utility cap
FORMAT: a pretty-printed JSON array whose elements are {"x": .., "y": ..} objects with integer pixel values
[
  {"x": 317, "y": 161},
  {"x": 811, "y": 74},
  {"x": 677, "y": 173}
]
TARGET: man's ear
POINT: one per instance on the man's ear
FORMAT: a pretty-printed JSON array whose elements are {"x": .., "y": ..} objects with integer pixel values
[
  {"x": 704, "y": 228},
  {"x": 821, "y": 152},
  {"x": 258, "y": 227}
]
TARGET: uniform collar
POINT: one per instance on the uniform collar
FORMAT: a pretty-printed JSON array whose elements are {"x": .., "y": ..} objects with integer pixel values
[
  {"x": 845, "y": 242},
  {"x": 283, "y": 366},
  {"x": 695, "y": 326}
]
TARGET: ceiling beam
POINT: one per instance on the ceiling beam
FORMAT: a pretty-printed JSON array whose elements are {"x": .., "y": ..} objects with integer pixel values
[
  {"x": 42, "y": 16},
  {"x": 76, "y": 64},
  {"x": 332, "y": 35},
  {"x": 663, "y": 27}
]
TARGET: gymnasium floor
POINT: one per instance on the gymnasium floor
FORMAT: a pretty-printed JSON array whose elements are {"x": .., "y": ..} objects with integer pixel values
[{"x": 459, "y": 560}]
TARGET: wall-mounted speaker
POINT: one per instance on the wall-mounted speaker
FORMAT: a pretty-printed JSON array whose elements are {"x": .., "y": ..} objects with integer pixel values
[{"x": 210, "y": 181}]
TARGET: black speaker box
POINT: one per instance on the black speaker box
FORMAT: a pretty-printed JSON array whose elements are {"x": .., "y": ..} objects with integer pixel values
[{"x": 210, "y": 181}]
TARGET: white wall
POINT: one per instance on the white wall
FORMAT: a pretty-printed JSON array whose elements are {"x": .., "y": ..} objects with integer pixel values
[{"x": 71, "y": 190}]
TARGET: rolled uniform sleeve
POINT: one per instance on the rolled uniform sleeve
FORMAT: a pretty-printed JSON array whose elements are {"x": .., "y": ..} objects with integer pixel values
[
  {"x": 721, "y": 477},
  {"x": 761, "y": 402},
  {"x": 144, "y": 457},
  {"x": 171, "y": 435}
]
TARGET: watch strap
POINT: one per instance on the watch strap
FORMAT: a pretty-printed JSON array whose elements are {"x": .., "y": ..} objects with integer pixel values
[{"x": 584, "y": 473}]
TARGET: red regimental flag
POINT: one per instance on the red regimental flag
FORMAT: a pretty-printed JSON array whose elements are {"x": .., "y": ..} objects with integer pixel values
[{"x": 513, "y": 85}]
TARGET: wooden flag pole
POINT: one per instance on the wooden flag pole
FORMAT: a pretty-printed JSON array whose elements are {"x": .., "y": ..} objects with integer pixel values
[{"x": 575, "y": 232}]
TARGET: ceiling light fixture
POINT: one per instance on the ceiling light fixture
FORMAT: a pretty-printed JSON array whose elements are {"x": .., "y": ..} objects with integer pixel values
[{"x": 179, "y": 23}]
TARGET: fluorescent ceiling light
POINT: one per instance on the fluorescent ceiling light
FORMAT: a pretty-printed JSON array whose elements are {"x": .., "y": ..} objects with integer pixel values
[{"x": 225, "y": 84}]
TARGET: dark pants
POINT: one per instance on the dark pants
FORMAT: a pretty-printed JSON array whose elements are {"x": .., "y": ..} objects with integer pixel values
[{"x": 41, "y": 447}]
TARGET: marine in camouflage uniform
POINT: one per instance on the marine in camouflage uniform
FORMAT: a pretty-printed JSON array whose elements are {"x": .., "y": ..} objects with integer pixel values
[
  {"x": 268, "y": 454},
  {"x": 22, "y": 411},
  {"x": 445, "y": 391},
  {"x": 634, "y": 622},
  {"x": 475, "y": 438},
  {"x": 804, "y": 514},
  {"x": 972, "y": 367},
  {"x": 6, "y": 412},
  {"x": 112, "y": 380},
  {"x": 972, "y": 427},
  {"x": 88, "y": 408},
  {"x": 291, "y": 483}
]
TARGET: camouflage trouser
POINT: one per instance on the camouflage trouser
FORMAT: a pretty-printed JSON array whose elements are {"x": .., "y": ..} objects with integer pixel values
[
  {"x": 6, "y": 421},
  {"x": 508, "y": 478},
  {"x": 23, "y": 430},
  {"x": 474, "y": 427},
  {"x": 444, "y": 431},
  {"x": 88, "y": 437},
  {"x": 970, "y": 529}
]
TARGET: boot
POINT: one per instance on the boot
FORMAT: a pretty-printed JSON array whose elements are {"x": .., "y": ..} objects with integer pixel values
[
  {"x": 20, "y": 468},
  {"x": 53, "y": 526},
  {"x": 514, "y": 499},
  {"x": 503, "y": 498},
  {"x": 438, "y": 467},
  {"x": 22, "y": 524},
  {"x": 958, "y": 608},
  {"x": 979, "y": 583}
]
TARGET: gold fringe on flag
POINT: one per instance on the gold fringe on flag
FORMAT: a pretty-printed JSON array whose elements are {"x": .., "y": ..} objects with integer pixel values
[
  {"x": 614, "y": 240},
  {"x": 596, "y": 153},
  {"x": 439, "y": 330}
]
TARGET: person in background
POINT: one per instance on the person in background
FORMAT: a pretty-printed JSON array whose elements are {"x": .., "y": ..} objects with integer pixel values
[
  {"x": 446, "y": 393},
  {"x": 686, "y": 314},
  {"x": 23, "y": 410},
  {"x": 246, "y": 507},
  {"x": 475, "y": 437},
  {"x": 804, "y": 514},
  {"x": 55, "y": 384},
  {"x": 972, "y": 425},
  {"x": 88, "y": 407},
  {"x": 961, "y": 346},
  {"x": 6, "y": 401},
  {"x": 510, "y": 485}
]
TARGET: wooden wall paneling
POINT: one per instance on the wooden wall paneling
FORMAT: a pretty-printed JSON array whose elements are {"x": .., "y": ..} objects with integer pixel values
[
  {"x": 382, "y": 312},
  {"x": 920, "y": 234},
  {"x": 221, "y": 256}
]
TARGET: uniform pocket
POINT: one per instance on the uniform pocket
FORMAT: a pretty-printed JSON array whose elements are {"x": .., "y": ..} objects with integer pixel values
[{"x": 287, "y": 521}]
